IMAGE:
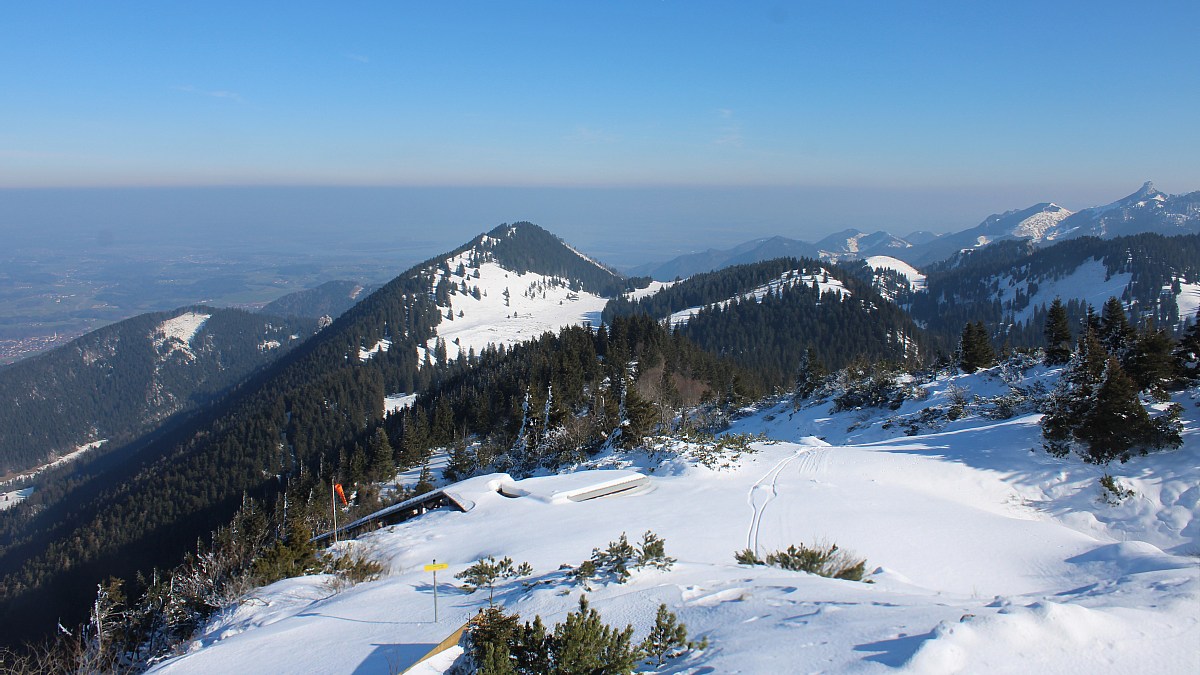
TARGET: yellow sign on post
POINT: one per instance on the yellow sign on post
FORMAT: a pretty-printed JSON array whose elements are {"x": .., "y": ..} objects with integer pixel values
[{"x": 434, "y": 568}]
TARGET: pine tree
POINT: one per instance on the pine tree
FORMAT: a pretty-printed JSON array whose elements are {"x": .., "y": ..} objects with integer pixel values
[
  {"x": 1074, "y": 395},
  {"x": 1151, "y": 363},
  {"x": 977, "y": 351},
  {"x": 381, "y": 465},
  {"x": 1115, "y": 333},
  {"x": 812, "y": 373},
  {"x": 584, "y": 644},
  {"x": 667, "y": 636},
  {"x": 1058, "y": 334},
  {"x": 1116, "y": 422},
  {"x": 1187, "y": 354}
]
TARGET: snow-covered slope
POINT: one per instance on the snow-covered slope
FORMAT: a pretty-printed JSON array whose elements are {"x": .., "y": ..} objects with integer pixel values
[
  {"x": 511, "y": 308},
  {"x": 915, "y": 279},
  {"x": 1089, "y": 282},
  {"x": 176, "y": 334},
  {"x": 507, "y": 286},
  {"x": 984, "y": 556}
]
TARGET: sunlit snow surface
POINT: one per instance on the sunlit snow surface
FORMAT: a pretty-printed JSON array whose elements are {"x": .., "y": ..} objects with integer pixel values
[
  {"x": 175, "y": 335},
  {"x": 534, "y": 304},
  {"x": 1188, "y": 301},
  {"x": 511, "y": 308},
  {"x": 1089, "y": 282},
  {"x": 915, "y": 279},
  {"x": 986, "y": 556}
]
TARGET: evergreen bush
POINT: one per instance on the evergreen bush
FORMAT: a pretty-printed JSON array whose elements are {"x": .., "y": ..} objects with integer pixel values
[{"x": 825, "y": 560}]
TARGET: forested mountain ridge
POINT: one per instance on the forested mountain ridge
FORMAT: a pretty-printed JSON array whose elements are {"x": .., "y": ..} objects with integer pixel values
[
  {"x": 774, "y": 315},
  {"x": 331, "y": 299},
  {"x": 118, "y": 381},
  {"x": 292, "y": 424}
]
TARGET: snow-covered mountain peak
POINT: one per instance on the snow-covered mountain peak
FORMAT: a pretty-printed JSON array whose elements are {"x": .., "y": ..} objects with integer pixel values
[{"x": 1037, "y": 225}]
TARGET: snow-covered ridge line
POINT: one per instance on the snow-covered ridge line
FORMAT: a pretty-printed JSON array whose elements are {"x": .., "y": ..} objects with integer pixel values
[{"x": 824, "y": 282}]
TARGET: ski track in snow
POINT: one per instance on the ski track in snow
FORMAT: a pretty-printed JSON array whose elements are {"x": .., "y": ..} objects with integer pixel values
[{"x": 761, "y": 494}]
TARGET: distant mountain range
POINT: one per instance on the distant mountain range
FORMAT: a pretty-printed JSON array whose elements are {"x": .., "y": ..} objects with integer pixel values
[{"x": 1145, "y": 211}]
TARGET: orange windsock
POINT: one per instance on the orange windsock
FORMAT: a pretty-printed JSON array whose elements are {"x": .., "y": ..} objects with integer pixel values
[{"x": 341, "y": 495}]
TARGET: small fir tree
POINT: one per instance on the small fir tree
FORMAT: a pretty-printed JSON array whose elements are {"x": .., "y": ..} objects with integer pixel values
[
  {"x": 585, "y": 644},
  {"x": 1058, "y": 334},
  {"x": 976, "y": 348},
  {"x": 1187, "y": 354},
  {"x": 1151, "y": 364},
  {"x": 667, "y": 638},
  {"x": 1115, "y": 333},
  {"x": 1116, "y": 422}
]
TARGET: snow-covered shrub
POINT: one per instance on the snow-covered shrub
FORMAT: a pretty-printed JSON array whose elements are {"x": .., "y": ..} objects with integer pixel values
[
  {"x": 869, "y": 386},
  {"x": 488, "y": 571},
  {"x": 826, "y": 560},
  {"x": 1113, "y": 492},
  {"x": 721, "y": 452},
  {"x": 353, "y": 568},
  {"x": 616, "y": 562},
  {"x": 959, "y": 400}
]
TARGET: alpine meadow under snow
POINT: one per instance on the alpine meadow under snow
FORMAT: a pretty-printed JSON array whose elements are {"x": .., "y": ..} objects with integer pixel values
[{"x": 983, "y": 553}]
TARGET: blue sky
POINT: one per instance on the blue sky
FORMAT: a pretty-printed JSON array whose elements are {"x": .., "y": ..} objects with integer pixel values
[{"x": 1077, "y": 102}]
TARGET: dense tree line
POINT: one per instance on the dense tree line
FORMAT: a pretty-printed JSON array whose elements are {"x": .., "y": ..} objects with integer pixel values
[{"x": 554, "y": 400}]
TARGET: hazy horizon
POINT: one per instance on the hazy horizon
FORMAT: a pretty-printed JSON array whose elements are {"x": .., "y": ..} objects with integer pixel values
[
  {"x": 621, "y": 226},
  {"x": 633, "y": 130}
]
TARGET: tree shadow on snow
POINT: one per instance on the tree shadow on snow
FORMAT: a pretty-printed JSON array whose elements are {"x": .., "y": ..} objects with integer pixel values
[
  {"x": 392, "y": 658},
  {"x": 895, "y": 652}
]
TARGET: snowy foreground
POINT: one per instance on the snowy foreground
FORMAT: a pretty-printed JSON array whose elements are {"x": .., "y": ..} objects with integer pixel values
[{"x": 984, "y": 557}]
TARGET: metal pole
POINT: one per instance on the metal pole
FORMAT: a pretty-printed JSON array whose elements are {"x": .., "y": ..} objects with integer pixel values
[
  {"x": 435, "y": 616},
  {"x": 333, "y": 506}
]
